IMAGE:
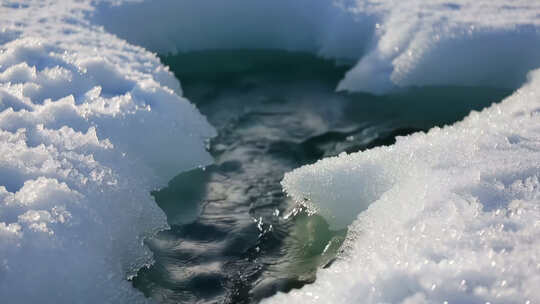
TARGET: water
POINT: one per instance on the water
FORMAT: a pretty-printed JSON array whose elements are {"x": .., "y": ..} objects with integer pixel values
[{"x": 235, "y": 237}]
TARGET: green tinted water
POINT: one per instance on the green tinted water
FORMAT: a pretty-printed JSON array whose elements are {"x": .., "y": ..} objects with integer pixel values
[{"x": 235, "y": 237}]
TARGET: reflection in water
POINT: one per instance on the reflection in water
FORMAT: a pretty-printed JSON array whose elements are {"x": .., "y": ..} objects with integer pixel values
[{"x": 235, "y": 237}]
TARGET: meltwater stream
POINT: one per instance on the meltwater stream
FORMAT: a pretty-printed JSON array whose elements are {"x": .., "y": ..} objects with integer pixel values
[{"x": 235, "y": 237}]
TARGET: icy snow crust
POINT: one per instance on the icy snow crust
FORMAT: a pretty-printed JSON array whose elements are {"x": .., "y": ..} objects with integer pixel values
[
  {"x": 89, "y": 124},
  {"x": 451, "y": 216}
]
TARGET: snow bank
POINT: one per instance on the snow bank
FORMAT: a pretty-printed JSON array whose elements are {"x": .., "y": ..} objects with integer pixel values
[
  {"x": 462, "y": 42},
  {"x": 319, "y": 26},
  {"x": 395, "y": 43},
  {"x": 451, "y": 216},
  {"x": 89, "y": 125}
]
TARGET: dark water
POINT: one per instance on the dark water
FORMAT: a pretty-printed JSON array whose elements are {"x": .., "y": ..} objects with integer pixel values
[{"x": 235, "y": 237}]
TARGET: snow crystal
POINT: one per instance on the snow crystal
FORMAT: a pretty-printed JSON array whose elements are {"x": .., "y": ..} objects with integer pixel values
[
  {"x": 89, "y": 125},
  {"x": 451, "y": 216}
]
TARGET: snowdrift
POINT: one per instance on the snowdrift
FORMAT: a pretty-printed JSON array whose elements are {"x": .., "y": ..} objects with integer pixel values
[
  {"x": 396, "y": 44},
  {"x": 451, "y": 216},
  {"x": 89, "y": 125}
]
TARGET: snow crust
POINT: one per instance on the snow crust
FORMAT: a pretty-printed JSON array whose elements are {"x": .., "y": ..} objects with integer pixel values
[
  {"x": 89, "y": 125},
  {"x": 451, "y": 216},
  {"x": 396, "y": 44},
  {"x": 319, "y": 26}
]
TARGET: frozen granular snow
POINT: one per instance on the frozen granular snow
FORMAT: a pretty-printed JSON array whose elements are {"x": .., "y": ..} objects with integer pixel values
[
  {"x": 89, "y": 125},
  {"x": 448, "y": 216}
]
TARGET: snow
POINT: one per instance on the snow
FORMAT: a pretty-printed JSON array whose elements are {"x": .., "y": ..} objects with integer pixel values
[
  {"x": 91, "y": 123},
  {"x": 318, "y": 26},
  {"x": 451, "y": 216},
  {"x": 395, "y": 44},
  {"x": 448, "y": 43}
]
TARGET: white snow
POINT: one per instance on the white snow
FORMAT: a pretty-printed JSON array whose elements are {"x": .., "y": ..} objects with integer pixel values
[
  {"x": 395, "y": 43},
  {"x": 90, "y": 123},
  {"x": 319, "y": 26},
  {"x": 451, "y": 216},
  {"x": 460, "y": 42}
]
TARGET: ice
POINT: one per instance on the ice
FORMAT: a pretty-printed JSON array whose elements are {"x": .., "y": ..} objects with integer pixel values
[{"x": 451, "y": 216}]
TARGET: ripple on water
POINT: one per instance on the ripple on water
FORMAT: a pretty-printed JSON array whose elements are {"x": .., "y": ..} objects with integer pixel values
[{"x": 235, "y": 237}]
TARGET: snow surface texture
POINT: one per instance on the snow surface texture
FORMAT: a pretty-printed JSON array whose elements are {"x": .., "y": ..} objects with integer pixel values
[
  {"x": 396, "y": 43},
  {"x": 89, "y": 125},
  {"x": 451, "y": 216}
]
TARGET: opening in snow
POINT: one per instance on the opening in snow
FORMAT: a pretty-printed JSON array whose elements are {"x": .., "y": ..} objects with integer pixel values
[
  {"x": 90, "y": 124},
  {"x": 252, "y": 69},
  {"x": 235, "y": 236}
]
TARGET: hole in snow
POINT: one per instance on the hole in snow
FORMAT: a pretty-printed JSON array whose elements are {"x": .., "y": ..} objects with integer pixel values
[{"x": 235, "y": 236}]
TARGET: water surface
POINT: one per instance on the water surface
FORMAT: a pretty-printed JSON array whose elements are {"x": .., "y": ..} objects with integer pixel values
[{"x": 235, "y": 237}]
